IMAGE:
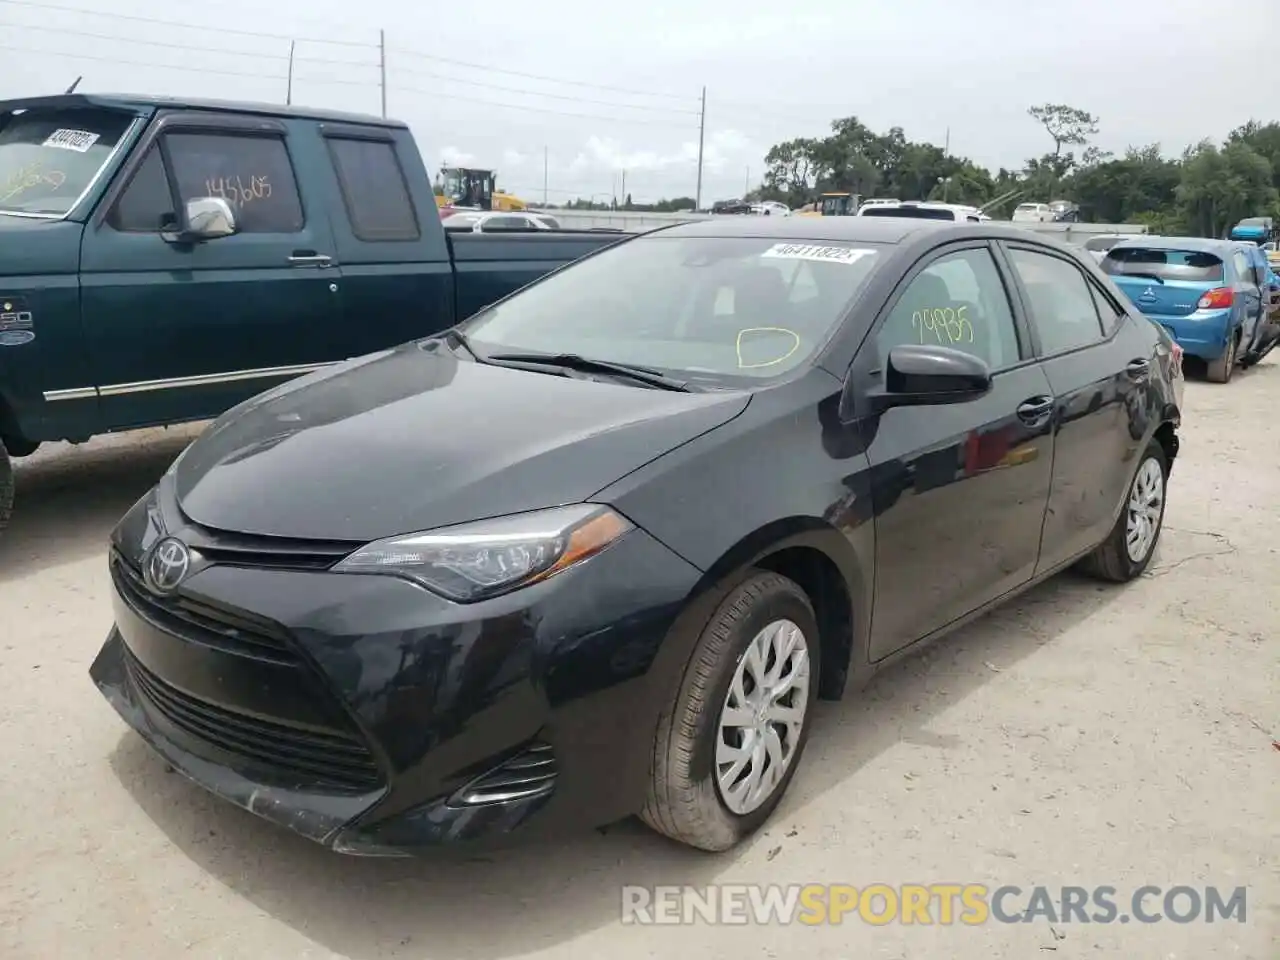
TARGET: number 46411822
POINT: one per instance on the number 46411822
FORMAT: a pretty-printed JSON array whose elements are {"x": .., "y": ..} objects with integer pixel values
[{"x": 945, "y": 324}]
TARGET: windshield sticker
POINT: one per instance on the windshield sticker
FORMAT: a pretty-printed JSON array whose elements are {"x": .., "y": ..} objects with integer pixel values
[
  {"x": 816, "y": 252},
  {"x": 78, "y": 140},
  {"x": 792, "y": 345},
  {"x": 943, "y": 322}
]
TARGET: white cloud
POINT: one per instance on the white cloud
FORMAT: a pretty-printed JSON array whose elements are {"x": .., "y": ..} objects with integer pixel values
[
  {"x": 513, "y": 158},
  {"x": 453, "y": 157},
  {"x": 720, "y": 148}
]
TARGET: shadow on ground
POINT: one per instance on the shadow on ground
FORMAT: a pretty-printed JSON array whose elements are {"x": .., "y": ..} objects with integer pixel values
[
  {"x": 536, "y": 897},
  {"x": 70, "y": 497}
]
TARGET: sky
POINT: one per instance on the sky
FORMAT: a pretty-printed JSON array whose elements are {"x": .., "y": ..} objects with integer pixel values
[{"x": 564, "y": 98}]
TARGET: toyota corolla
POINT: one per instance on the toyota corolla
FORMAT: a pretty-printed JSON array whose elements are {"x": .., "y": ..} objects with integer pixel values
[{"x": 598, "y": 550}]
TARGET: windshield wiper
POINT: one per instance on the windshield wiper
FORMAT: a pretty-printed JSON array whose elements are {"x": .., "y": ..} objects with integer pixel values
[
  {"x": 1151, "y": 276},
  {"x": 461, "y": 340},
  {"x": 572, "y": 361}
]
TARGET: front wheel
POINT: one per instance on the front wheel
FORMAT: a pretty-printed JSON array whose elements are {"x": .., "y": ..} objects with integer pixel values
[
  {"x": 6, "y": 486},
  {"x": 1127, "y": 550},
  {"x": 728, "y": 745}
]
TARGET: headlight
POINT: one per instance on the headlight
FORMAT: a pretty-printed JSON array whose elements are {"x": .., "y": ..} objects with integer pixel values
[{"x": 473, "y": 561}]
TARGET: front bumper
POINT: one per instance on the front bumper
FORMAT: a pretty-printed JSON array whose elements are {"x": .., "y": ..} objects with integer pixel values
[{"x": 376, "y": 718}]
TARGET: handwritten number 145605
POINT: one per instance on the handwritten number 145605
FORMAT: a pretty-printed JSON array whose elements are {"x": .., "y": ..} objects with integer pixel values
[{"x": 238, "y": 192}]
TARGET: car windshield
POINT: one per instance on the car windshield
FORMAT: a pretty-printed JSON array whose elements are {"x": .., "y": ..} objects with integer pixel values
[
  {"x": 727, "y": 310},
  {"x": 48, "y": 158},
  {"x": 1194, "y": 265}
]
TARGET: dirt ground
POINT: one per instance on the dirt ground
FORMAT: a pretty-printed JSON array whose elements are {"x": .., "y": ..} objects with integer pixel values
[{"x": 1084, "y": 735}]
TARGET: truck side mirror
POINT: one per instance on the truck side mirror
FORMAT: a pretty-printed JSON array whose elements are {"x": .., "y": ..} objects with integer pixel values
[{"x": 207, "y": 218}]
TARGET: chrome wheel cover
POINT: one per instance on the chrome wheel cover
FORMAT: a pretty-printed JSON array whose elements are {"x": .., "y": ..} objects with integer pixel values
[
  {"x": 762, "y": 717},
  {"x": 1146, "y": 503}
]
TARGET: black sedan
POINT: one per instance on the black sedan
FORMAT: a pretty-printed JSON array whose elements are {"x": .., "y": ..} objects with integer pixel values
[{"x": 598, "y": 550}]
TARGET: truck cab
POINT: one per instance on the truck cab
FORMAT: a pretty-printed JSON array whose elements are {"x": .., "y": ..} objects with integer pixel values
[{"x": 163, "y": 260}]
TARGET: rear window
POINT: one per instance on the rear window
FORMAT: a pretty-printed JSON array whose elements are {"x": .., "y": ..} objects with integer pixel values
[
  {"x": 1193, "y": 265},
  {"x": 916, "y": 213},
  {"x": 1028, "y": 206}
]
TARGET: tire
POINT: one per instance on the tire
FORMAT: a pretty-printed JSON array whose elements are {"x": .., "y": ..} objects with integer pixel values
[
  {"x": 686, "y": 800},
  {"x": 6, "y": 487},
  {"x": 1112, "y": 560},
  {"x": 1220, "y": 370}
]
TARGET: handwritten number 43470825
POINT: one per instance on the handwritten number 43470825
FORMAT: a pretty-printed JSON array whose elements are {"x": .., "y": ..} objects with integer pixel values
[
  {"x": 947, "y": 325},
  {"x": 239, "y": 192}
]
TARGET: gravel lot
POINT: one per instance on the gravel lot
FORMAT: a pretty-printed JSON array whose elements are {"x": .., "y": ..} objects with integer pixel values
[{"x": 1083, "y": 735}]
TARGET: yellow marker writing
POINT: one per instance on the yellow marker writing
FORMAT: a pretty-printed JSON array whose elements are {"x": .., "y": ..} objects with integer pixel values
[{"x": 768, "y": 363}]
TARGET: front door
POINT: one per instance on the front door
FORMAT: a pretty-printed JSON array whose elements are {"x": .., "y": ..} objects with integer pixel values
[
  {"x": 183, "y": 331},
  {"x": 961, "y": 488}
]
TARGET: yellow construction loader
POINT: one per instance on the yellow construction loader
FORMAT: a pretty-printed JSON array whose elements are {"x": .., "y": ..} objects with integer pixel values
[{"x": 467, "y": 188}]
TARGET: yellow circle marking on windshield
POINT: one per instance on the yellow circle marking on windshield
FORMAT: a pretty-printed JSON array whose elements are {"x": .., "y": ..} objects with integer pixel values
[{"x": 737, "y": 346}]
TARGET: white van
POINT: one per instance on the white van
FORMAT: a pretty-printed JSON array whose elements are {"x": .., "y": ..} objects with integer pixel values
[{"x": 924, "y": 210}]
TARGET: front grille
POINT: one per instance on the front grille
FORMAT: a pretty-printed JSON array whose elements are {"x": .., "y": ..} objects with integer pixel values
[
  {"x": 204, "y": 623},
  {"x": 309, "y": 757},
  {"x": 271, "y": 553},
  {"x": 531, "y": 773}
]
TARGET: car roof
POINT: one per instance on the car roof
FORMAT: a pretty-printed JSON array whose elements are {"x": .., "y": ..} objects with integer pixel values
[
  {"x": 133, "y": 101},
  {"x": 1201, "y": 244},
  {"x": 888, "y": 230}
]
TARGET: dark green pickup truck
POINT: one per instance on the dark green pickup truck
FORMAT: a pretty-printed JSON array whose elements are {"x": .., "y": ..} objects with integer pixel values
[{"x": 163, "y": 260}]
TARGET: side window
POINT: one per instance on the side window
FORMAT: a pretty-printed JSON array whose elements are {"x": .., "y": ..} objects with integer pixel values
[
  {"x": 252, "y": 173},
  {"x": 957, "y": 301},
  {"x": 374, "y": 189},
  {"x": 1243, "y": 267},
  {"x": 1107, "y": 310},
  {"x": 1061, "y": 303},
  {"x": 146, "y": 205}
]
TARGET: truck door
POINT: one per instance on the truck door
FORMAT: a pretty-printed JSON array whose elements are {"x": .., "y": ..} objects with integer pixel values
[
  {"x": 397, "y": 273},
  {"x": 183, "y": 331}
]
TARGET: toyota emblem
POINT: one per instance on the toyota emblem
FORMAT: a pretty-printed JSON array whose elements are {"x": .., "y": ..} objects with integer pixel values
[{"x": 168, "y": 565}]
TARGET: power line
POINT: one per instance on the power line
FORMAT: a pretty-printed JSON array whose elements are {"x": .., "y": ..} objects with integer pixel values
[
  {"x": 538, "y": 93},
  {"x": 559, "y": 113},
  {"x": 534, "y": 76},
  {"x": 149, "y": 43},
  {"x": 81, "y": 11},
  {"x": 142, "y": 63}
]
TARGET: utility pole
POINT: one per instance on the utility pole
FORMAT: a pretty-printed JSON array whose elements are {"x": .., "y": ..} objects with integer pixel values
[
  {"x": 288, "y": 93},
  {"x": 544, "y": 176},
  {"x": 946, "y": 146},
  {"x": 702, "y": 129},
  {"x": 624, "y": 188},
  {"x": 382, "y": 69},
  {"x": 746, "y": 184}
]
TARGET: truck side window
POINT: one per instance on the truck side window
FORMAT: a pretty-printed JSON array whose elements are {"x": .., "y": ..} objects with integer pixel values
[
  {"x": 146, "y": 204},
  {"x": 373, "y": 189},
  {"x": 252, "y": 173}
]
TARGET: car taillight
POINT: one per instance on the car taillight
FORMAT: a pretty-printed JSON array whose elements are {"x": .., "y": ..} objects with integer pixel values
[{"x": 1217, "y": 298}]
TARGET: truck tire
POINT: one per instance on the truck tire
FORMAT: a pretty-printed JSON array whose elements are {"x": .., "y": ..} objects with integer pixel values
[
  {"x": 6, "y": 487},
  {"x": 1220, "y": 370},
  {"x": 696, "y": 794}
]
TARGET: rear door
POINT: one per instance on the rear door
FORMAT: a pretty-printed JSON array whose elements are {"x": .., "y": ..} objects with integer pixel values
[
  {"x": 962, "y": 488},
  {"x": 397, "y": 275},
  {"x": 1097, "y": 368},
  {"x": 1250, "y": 278},
  {"x": 186, "y": 330}
]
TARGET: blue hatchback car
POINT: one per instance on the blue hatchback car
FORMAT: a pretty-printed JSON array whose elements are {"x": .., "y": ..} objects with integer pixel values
[{"x": 1207, "y": 293}]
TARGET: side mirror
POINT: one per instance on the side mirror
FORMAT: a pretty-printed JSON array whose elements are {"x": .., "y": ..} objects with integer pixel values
[
  {"x": 207, "y": 218},
  {"x": 917, "y": 375}
]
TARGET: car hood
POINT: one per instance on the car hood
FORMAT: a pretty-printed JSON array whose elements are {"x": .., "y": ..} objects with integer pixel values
[{"x": 416, "y": 438}]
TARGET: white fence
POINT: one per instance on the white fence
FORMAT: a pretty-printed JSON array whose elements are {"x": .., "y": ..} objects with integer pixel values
[{"x": 635, "y": 221}]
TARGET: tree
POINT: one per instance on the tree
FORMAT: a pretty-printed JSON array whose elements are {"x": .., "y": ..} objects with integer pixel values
[{"x": 1068, "y": 126}]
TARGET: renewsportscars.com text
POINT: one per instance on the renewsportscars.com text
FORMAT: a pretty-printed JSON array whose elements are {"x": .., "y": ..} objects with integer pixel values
[{"x": 928, "y": 904}]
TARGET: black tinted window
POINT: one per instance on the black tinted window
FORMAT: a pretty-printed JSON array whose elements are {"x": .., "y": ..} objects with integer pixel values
[
  {"x": 146, "y": 206},
  {"x": 374, "y": 189},
  {"x": 1061, "y": 302},
  {"x": 917, "y": 213},
  {"x": 1194, "y": 265},
  {"x": 253, "y": 174},
  {"x": 957, "y": 301}
]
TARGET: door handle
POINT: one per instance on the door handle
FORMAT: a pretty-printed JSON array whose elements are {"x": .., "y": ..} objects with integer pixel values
[
  {"x": 1138, "y": 369},
  {"x": 309, "y": 258},
  {"x": 1035, "y": 410}
]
